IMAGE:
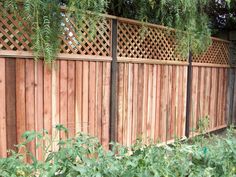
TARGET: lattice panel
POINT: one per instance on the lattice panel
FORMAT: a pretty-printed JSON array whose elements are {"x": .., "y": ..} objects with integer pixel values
[
  {"x": 14, "y": 35},
  {"x": 156, "y": 43},
  {"x": 100, "y": 44},
  {"x": 217, "y": 53}
]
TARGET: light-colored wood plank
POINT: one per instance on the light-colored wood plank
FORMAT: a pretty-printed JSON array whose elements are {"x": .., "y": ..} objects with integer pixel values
[
  {"x": 92, "y": 97},
  {"x": 39, "y": 103},
  {"x": 29, "y": 98},
  {"x": 185, "y": 71},
  {"x": 125, "y": 104},
  {"x": 3, "y": 134},
  {"x": 120, "y": 102},
  {"x": 129, "y": 105},
  {"x": 158, "y": 104},
  {"x": 99, "y": 84},
  {"x": 149, "y": 61},
  {"x": 71, "y": 98},
  {"x": 79, "y": 97},
  {"x": 64, "y": 95},
  {"x": 149, "y": 100},
  {"x": 29, "y": 55},
  {"x": 145, "y": 103},
  {"x": 135, "y": 104},
  {"x": 105, "y": 104},
  {"x": 154, "y": 93}
]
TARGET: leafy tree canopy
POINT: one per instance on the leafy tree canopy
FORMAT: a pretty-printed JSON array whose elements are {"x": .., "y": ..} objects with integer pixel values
[{"x": 190, "y": 17}]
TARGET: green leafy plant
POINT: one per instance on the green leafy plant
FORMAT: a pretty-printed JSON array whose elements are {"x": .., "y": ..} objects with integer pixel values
[{"x": 83, "y": 155}]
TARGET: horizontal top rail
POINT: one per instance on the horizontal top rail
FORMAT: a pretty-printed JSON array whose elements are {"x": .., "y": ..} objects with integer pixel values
[{"x": 29, "y": 55}]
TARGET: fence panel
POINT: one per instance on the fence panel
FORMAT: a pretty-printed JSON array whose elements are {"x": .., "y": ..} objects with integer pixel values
[
  {"x": 209, "y": 86},
  {"x": 75, "y": 90},
  {"x": 151, "y": 102}
]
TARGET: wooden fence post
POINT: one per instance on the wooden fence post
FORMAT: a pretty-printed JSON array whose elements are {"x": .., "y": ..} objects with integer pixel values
[
  {"x": 230, "y": 106},
  {"x": 113, "y": 87},
  {"x": 188, "y": 100}
]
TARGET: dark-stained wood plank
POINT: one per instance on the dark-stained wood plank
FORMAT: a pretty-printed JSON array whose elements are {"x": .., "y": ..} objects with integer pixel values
[
  {"x": 85, "y": 95},
  {"x": 11, "y": 103}
]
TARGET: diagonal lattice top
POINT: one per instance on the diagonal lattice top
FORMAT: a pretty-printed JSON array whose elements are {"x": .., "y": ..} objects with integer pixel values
[
  {"x": 14, "y": 35},
  {"x": 156, "y": 43},
  {"x": 217, "y": 53}
]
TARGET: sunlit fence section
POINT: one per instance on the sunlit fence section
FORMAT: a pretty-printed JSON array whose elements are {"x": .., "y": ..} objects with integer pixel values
[{"x": 125, "y": 82}]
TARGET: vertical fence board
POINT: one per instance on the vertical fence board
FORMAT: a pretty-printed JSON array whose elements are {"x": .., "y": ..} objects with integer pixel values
[
  {"x": 85, "y": 94},
  {"x": 11, "y": 103},
  {"x": 135, "y": 103},
  {"x": 105, "y": 104},
  {"x": 120, "y": 102},
  {"x": 78, "y": 96},
  {"x": 39, "y": 121},
  {"x": 158, "y": 103},
  {"x": 29, "y": 97},
  {"x": 3, "y": 135},
  {"x": 153, "y": 114},
  {"x": 99, "y": 84},
  {"x": 129, "y": 104},
  {"x": 47, "y": 99},
  {"x": 140, "y": 98},
  {"x": 71, "y": 98},
  {"x": 92, "y": 92},
  {"x": 145, "y": 99},
  {"x": 20, "y": 98},
  {"x": 64, "y": 95}
]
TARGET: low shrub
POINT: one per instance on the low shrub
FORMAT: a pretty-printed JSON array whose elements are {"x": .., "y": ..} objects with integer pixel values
[{"x": 84, "y": 156}]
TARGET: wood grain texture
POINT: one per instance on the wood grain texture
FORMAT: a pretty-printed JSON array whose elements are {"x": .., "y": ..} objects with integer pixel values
[
  {"x": 64, "y": 95},
  {"x": 20, "y": 100},
  {"x": 11, "y": 104},
  {"x": 29, "y": 98},
  {"x": 71, "y": 98},
  {"x": 3, "y": 130}
]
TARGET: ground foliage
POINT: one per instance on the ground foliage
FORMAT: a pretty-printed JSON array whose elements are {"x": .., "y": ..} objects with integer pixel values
[
  {"x": 83, "y": 155},
  {"x": 45, "y": 19}
]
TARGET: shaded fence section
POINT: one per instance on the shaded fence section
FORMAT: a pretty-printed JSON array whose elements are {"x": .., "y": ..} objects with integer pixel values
[{"x": 121, "y": 85}]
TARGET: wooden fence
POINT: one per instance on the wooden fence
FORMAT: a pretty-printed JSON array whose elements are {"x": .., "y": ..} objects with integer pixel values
[{"x": 119, "y": 86}]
